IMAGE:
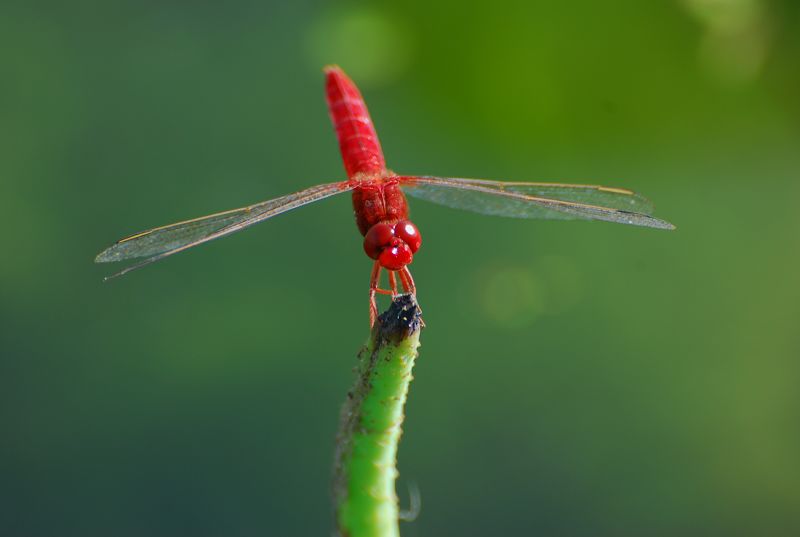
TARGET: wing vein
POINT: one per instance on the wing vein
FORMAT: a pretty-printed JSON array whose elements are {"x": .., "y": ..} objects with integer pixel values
[
  {"x": 164, "y": 241},
  {"x": 537, "y": 200}
]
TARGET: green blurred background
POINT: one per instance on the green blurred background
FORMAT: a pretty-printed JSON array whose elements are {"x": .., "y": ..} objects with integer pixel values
[{"x": 575, "y": 378}]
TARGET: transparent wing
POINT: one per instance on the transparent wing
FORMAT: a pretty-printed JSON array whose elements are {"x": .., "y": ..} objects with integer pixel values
[
  {"x": 160, "y": 242},
  {"x": 536, "y": 200}
]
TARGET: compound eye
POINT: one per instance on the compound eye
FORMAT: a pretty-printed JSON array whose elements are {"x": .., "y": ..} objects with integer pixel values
[
  {"x": 377, "y": 238},
  {"x": 408, "y": 233},
  {"x": 396, "y": 256}
]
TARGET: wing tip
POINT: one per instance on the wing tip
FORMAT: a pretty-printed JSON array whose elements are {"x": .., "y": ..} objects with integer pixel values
[
  {"x": 114, "y": 276},
  {"x": 124, "y": 271},
  {"x": 106, "y": 257},
  {"x": 102, "y": 257},
  {"x": 642, "y": 219},
  {"x": 663, "y": 224}
]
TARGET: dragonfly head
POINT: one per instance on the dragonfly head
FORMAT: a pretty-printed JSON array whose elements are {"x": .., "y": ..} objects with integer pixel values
[{"x": 392, "y": 245}]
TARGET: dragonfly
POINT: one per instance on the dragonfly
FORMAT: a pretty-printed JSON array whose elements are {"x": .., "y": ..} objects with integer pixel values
[{"x": 379, "y": 201}]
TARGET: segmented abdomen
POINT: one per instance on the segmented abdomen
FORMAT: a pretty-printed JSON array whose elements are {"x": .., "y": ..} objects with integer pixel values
[{"x": 358, "y": 141}]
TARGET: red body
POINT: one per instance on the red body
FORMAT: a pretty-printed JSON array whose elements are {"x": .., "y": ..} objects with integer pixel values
[{"x": 377, "y": 196}]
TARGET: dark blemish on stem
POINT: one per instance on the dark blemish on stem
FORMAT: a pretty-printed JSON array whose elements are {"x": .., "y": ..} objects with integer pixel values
[{"x": 402, "y": 319}]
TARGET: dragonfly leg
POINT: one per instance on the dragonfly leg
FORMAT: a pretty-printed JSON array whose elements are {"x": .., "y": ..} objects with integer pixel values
[
  {"x": 408, "y": 284},
  {"x": 374, "y": 287},
  {"x": 374, "y": 281},
  {"x": 407, "y": 280}
]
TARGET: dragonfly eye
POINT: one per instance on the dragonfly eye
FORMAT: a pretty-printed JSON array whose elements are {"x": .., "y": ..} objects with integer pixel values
[
  {"x": 396, "y": 256},
  {"x": 408, "y": 233},
  {"x": 393, "y": 246},
  {"x": 377, "y": 239}
]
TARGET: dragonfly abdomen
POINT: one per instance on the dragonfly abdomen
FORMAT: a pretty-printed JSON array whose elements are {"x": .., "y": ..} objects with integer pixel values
[{"x": 358, "y": 141}]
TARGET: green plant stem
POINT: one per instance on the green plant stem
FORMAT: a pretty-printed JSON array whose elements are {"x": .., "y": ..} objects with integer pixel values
[{"x": 366, "y": 450}]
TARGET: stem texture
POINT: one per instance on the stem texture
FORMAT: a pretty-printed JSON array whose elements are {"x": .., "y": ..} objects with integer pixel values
[{"x": 366, "y": 451}]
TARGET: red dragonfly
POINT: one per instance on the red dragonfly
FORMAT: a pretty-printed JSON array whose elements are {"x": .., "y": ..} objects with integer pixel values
[{"x": 381, "y": 211}]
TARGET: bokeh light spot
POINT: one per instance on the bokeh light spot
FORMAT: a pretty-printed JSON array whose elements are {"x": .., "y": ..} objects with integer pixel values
[
  {"x": 736, "y": 40},
  {"x": 371, "y": 46},
  {"x": 512, "y": 296}
]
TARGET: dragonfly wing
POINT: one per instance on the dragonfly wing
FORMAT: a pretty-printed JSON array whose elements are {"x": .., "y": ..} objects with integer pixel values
[
  {"x": 536, "y": 200},
  {"x": 160, "y": 242}
]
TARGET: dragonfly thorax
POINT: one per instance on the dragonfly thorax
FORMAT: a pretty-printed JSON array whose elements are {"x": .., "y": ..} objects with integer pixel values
[{"x": 392, "y": 244}]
